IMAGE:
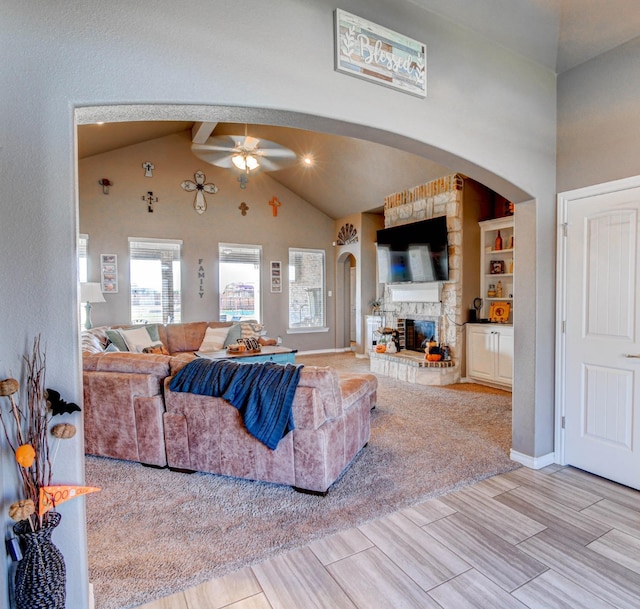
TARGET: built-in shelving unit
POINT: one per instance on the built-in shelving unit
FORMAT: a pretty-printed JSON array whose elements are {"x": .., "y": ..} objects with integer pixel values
[{"x": 497, "y": 265}]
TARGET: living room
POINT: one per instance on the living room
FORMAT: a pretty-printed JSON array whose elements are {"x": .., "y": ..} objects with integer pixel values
[{"x": 508, "y": 122}]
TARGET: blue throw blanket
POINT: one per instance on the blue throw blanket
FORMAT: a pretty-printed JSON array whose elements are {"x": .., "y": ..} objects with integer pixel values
[{"x": 262, "y": 392}]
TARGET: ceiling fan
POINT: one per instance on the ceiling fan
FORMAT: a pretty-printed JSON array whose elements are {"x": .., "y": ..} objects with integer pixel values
[{"x": 244, "y": 152}]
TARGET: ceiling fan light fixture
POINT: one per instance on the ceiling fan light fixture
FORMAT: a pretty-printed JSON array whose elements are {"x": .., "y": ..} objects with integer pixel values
[{"x": 245, "y": 162}]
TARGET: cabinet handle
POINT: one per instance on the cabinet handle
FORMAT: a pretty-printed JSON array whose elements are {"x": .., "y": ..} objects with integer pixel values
[{"x": 633, "y": 355}]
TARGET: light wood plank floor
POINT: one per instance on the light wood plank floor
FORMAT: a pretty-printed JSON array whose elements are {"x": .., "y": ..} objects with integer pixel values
[{"x": 557, "y": 538}]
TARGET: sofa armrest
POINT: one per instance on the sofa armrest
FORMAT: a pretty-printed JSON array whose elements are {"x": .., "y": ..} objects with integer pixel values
[{"x": 126, "y": 362}]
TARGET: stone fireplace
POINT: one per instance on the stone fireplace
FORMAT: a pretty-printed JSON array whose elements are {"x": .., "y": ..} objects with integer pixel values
[{"x": 441, "y": 303}]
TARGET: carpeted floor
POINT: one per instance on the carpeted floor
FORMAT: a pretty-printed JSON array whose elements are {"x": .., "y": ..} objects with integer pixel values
[{"x": 153, "y": 532}]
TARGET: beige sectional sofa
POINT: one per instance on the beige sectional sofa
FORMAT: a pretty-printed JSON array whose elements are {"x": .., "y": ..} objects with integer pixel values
[{"x": 131, "y": 413}]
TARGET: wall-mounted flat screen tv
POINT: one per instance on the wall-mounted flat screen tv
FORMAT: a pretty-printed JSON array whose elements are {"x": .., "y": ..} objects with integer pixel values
[{"x": 415, "y": 252}]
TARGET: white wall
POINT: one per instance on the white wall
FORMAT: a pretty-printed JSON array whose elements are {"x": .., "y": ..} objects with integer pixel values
[{"x": 489, "y": 115}]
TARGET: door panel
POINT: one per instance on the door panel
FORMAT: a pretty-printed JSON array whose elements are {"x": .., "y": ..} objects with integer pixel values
[
  {"x": 480, "y": 353},
  {"x": 602, "y": 422},
  {"x": 504, "y": 356}
]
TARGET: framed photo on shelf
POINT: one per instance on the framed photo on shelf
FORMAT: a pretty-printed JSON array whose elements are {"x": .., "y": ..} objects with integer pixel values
[
  {"x": 496, "y": 267},
  {"x": 109, "y": 273},
  {"x": 276, "y": 276}
]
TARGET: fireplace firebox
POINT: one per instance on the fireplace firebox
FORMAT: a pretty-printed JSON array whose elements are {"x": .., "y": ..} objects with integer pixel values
[{"x": 417, "y": 333}]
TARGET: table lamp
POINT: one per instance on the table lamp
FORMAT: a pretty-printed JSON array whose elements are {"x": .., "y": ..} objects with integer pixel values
[{"x": 90, "y": 292}]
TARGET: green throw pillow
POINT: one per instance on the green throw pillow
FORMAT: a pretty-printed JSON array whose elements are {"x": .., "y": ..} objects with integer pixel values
[
  {"x": 235, "y": 332},
  {"x": 116, "y": 338}
]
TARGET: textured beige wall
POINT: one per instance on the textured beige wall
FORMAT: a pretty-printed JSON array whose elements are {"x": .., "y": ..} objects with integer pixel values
[{"x": 110, "y": 220}]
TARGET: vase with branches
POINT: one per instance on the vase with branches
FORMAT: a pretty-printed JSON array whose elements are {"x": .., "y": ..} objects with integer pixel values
[{"x": 40, "y": 576}]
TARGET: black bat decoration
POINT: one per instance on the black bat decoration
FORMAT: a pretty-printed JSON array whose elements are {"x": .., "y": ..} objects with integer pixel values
[{"x": 58, "y": 405}]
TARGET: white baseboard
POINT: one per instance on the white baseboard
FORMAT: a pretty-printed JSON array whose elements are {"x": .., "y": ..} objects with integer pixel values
[
  {"x": 92, "y": 602},
  {"x": 533, "y": 462}
]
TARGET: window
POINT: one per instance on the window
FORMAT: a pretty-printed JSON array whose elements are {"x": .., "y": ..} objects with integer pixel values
[
  {"x": 154, "y": 266},
  {"x": 239, "y": 281},
  {"x": 306, "y": 288},
  {"x": 83, "y": 261},
  {"x": 83, "y": 270}
]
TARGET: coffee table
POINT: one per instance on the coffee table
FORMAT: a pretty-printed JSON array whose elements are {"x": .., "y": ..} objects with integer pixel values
[{"x": 277, "y": 354}]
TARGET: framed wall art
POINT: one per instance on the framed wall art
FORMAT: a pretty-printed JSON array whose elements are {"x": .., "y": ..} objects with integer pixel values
[
  {"x": 109, "y": 273},
  {"x": 276, "y": 276},
  {"x": 375, "y": 53}
]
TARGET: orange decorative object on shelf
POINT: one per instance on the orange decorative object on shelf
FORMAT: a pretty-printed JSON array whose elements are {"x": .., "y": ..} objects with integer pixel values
[
  {"x": 381, "y": 348},
  {"x": 433, "y": 357}
]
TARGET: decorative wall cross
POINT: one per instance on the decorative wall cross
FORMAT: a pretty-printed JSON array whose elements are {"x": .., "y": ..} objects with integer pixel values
[
  {"x": 243, "y": 179},
  {"x": 150, "y": 199},
  {"x": 199, "y": 203},
  {"x": 148, "y": 169},
  {"x": 243, "y": 207},
  {"x": 274, "y": 205}
]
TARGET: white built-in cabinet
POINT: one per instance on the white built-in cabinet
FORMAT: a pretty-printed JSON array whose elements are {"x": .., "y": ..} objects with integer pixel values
[
  {"x": 490, "y": 354},
  {"x": 490, "y": 345}
]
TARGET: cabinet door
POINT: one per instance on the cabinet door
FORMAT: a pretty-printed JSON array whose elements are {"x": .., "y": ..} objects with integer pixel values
[
  {"x": 480, "y": 352},
  {"x": 504, "y": 356}
]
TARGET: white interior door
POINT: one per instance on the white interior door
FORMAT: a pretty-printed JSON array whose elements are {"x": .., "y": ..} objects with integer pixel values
[{"x": 602, "y": 351}]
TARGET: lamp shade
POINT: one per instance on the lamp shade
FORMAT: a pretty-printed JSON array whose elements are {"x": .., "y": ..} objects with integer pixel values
[{"x": 91, "y": 292}]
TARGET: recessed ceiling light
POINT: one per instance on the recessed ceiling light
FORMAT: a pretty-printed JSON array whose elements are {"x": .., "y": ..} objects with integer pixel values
[{"x": 307, "y": 160}]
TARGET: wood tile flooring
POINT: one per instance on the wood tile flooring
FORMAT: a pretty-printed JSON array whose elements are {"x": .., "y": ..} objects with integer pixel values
[{"x": 557, "y": 538}]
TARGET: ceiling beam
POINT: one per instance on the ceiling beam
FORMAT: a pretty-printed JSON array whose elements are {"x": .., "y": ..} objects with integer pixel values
[{"x": 200, "y": 132}]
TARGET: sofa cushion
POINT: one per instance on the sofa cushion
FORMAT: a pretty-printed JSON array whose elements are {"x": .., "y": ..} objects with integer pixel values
[
  {"x": 188, "y": 336},
  {"x": 214, "y": 339}
]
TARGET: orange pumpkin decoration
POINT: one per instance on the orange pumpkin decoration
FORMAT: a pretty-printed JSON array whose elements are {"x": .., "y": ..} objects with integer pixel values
[
  {"x": 25, "y": 455},
  {"x": 434, "y": 357},
  {"x": 381, "y": 348}
]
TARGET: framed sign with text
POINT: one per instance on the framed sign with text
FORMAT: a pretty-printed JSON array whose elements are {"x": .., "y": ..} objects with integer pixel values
[{"x": 373, "y": 52}]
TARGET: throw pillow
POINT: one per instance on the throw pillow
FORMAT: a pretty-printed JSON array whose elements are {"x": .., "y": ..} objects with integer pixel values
[
  {"x": 116, "y": 339},
  {"x": 214, "y": 339},
  {"x": 251, "y": 329},
  {"x": 235, "y": 332},
  {"x": 136, "y": 340}
]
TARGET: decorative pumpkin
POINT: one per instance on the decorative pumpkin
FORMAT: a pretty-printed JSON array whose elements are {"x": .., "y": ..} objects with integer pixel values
[
  {"x": 434, "y": 353},
  {"x": 21, "y": 510},
  {"x": 25, "y": 455},
  {"x": 63, "y": 431},
  {"x": 8, "y": 387},
  {"x": 381, "y": 348}
]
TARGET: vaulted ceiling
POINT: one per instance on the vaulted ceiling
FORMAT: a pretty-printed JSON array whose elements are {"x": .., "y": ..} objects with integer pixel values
[{"x": 351, "y": 175}]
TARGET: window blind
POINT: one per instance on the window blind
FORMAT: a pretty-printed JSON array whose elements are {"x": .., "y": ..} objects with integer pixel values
[
  {"x": 306, "y": 288},
  {"x": 239, "y": 281},
  {"x": 155, "y": 280}
]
